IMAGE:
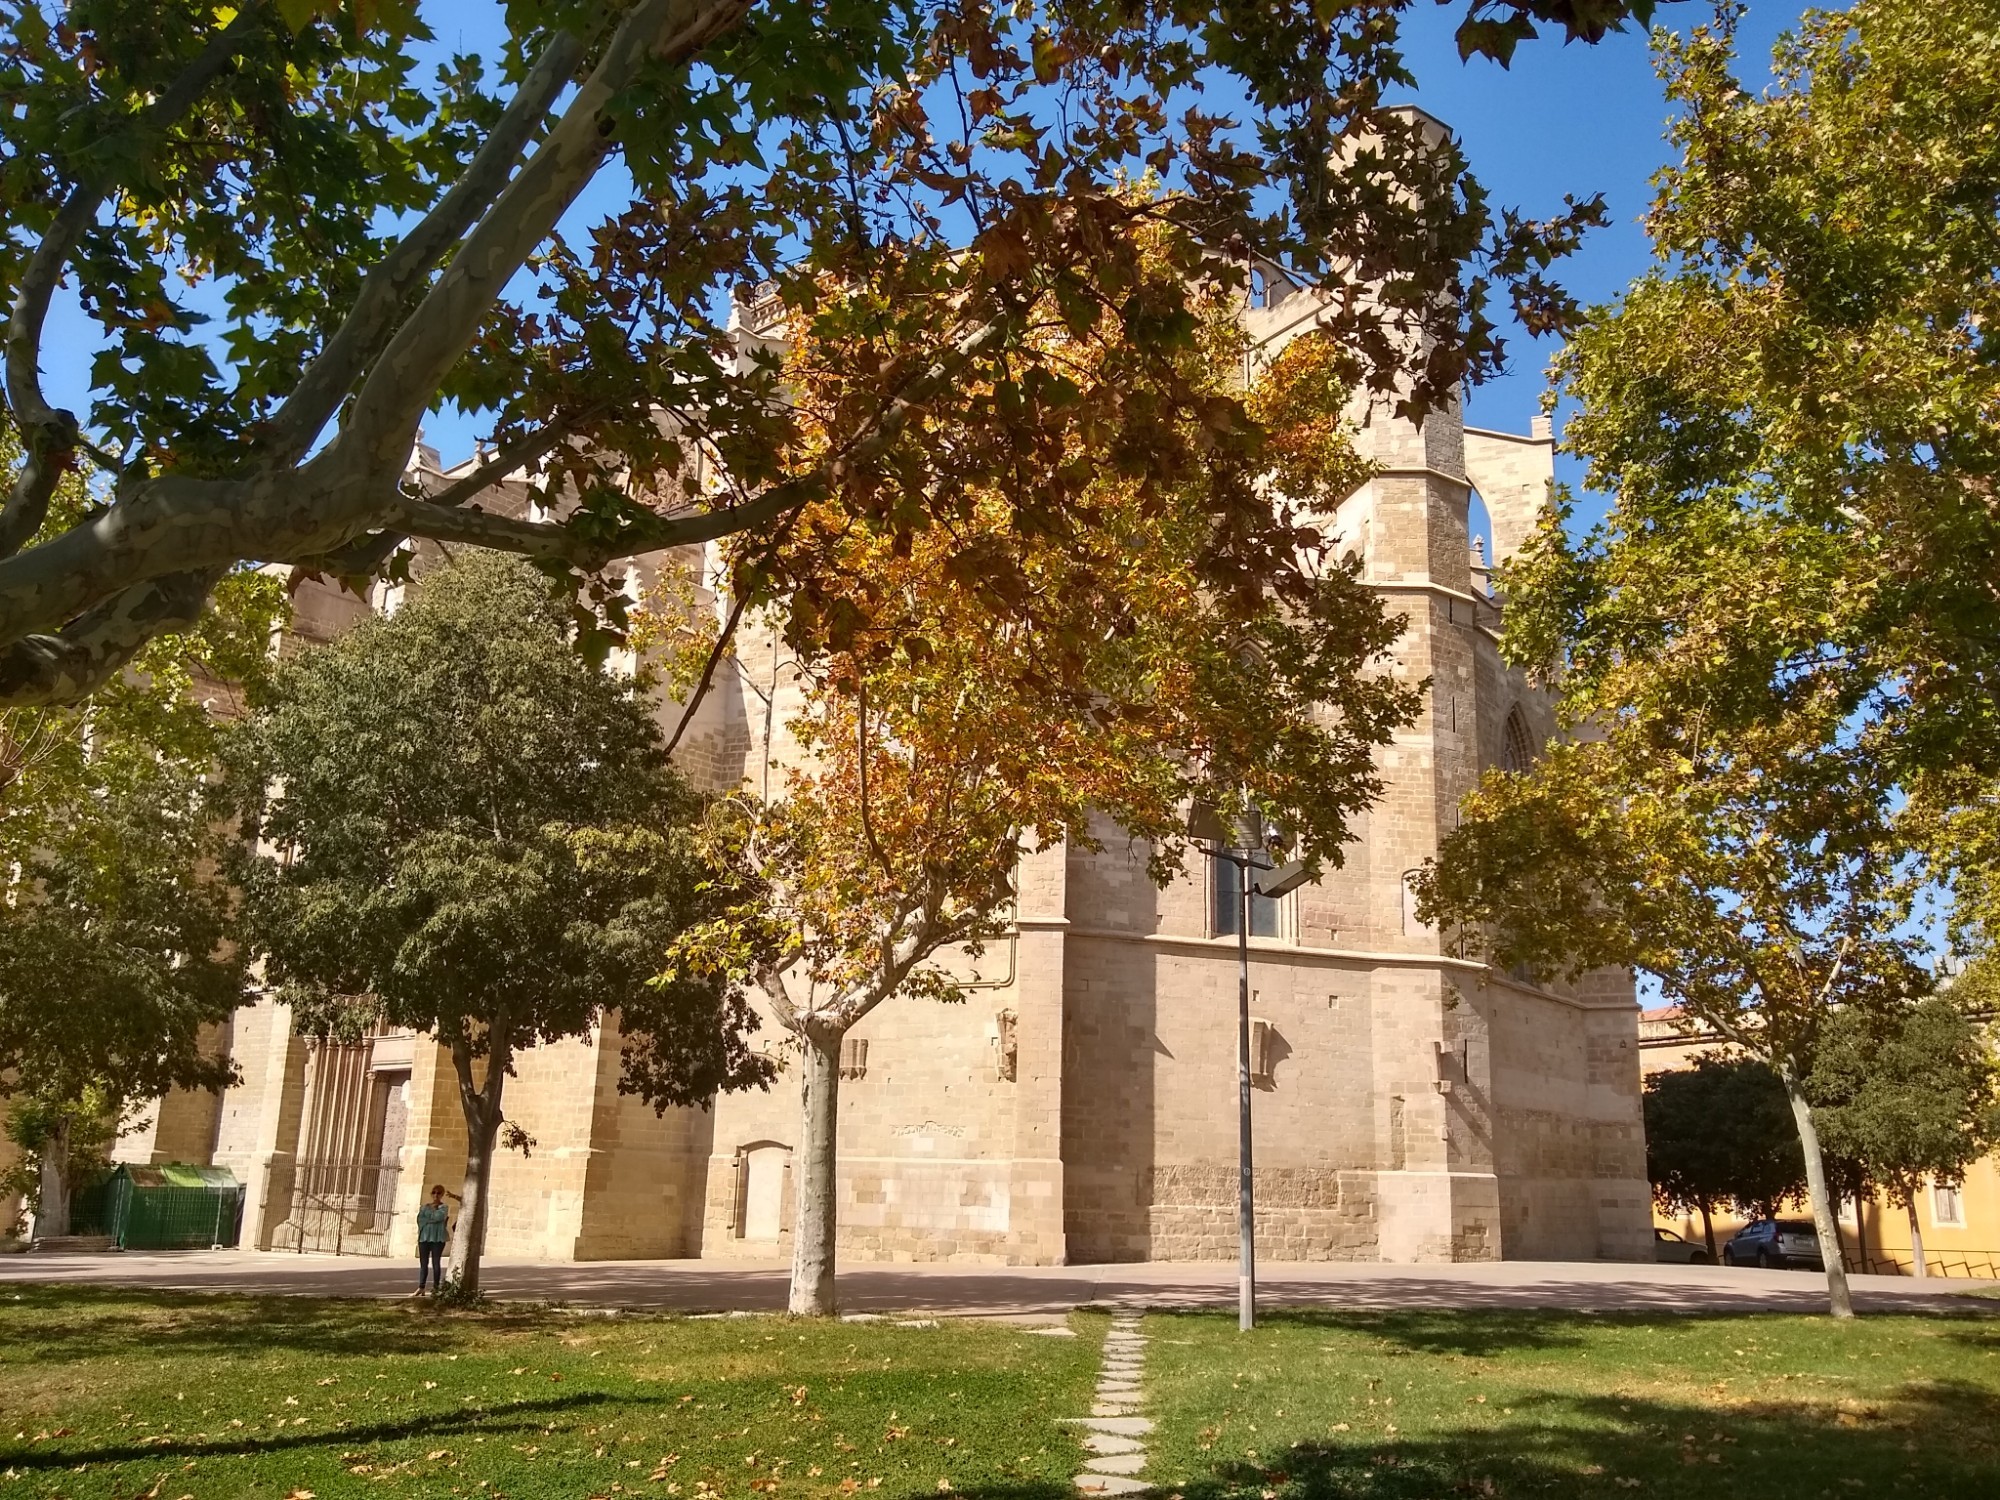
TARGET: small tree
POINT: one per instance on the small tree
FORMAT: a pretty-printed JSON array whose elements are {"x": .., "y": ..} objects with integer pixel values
[
  {"x": 1721, "y": 1133},
  {"x": 1755, "y": 867},
  {"x": 115, "y": 940},
  {"x": 114, "y": 955},
  {"x": 473, "y": 832},
  {"x": 1908, "y": 1097},
  {"x": 984, "y": 693}
]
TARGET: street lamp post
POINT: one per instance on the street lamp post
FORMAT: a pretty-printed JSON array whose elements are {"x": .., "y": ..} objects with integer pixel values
[
  {"x": 1255, "y": 877},
  {"x": 1246, "y": 1189}
]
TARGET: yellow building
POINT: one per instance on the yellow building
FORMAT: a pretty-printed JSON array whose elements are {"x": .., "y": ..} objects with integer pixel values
[{"x": 1959, "y": 1223}]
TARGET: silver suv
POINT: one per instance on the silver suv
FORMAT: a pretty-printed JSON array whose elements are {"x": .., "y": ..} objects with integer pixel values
[{"x": 1775, "y": 1242}]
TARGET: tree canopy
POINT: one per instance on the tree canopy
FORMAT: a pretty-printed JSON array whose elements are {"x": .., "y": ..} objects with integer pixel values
[
  {"x": 1719, "y": 1134},
  {"x": 1794, "y": 411},
  {"x": 1775, "y": 638},
  {"x": 293, "y": 244},
  {"x": 467, "y": 829},
  {"x": 1907, "y": 1097},
  {"x": 116, "y": 944},
  {"x": 950, "y": 733}
]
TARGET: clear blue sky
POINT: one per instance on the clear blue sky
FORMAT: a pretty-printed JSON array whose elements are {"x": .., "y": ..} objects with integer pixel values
[
  {"x": 1563, "y": 119},
  {"x": 1568, "y": 119}
]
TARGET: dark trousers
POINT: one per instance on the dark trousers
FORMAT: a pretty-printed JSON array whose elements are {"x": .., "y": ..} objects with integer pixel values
[{"x": 430, "y": 1264}]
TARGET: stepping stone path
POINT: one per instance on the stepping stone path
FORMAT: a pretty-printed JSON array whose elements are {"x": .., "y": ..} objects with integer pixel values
[{"x": 1114, "y": 1430}]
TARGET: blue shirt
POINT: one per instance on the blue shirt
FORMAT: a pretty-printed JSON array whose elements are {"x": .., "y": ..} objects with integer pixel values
[{"x": 431, "y": 1224}]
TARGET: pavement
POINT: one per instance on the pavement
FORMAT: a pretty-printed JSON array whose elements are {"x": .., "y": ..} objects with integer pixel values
[{"x": 1027, "y": 1293}]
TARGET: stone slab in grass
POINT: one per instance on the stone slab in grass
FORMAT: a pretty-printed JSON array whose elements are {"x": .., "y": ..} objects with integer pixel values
[{"x": 1110, "y": 1484}]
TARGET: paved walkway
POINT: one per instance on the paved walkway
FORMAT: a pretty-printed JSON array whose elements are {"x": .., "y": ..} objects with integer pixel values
[
  {"x": 1034, "y": 1292},
  {"x": 1114, "y": 1432}
]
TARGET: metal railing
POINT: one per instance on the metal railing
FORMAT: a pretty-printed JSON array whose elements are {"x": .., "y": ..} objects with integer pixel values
[
  {"x": 1954, "y": 1262},
  {"x": 341, "y": 1207}
]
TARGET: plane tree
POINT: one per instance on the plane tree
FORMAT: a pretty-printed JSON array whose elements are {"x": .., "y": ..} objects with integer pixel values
[
  {"x": 1909, "y": 1097},
  {"x": 289, "y": 241},
  {"x": 1781, "y": 634},
  {"x": 456, "y": 823},
  {"x": 1720, "y": 1134},
  {"x": 981, "y": 695},
  {"x": 116, "y": 946}
]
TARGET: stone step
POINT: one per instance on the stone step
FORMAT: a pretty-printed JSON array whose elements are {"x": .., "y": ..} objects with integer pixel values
[
  {"x": 1110, "y": 1484},
  {"x": 1117, "y": 1463}
]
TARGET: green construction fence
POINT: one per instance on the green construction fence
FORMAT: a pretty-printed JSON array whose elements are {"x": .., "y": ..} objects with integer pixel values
[{"x": 166, "y": 1207}]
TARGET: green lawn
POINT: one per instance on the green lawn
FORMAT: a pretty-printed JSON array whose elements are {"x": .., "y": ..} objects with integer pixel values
[
  {"x": 1439, "y": 1405},
  {"x": 132, "y": 1395}
]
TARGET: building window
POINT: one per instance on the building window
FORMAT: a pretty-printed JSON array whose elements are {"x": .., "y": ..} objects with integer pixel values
[
  {"x": 1947, "y": 1206},
  {"x": 1226, "y": 905},
  {"x": 853, "y": 1057},
  {"x": 1517, "y": 746}
]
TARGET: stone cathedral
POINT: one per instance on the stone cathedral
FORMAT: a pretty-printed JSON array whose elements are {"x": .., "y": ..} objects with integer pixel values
[{"x": 1081, "y": 1106}]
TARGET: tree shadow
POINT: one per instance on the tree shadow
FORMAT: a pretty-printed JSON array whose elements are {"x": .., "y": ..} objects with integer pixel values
[
  {"x": 82, "y": 1322},
  {"x": 1474, "y": 1334},
  {"x": 513, "y": 1416},
  {"x": 1936, "y": 1439}
]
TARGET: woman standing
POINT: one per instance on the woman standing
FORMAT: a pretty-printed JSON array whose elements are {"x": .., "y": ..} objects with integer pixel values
[{"x": 432, "y": 1232}]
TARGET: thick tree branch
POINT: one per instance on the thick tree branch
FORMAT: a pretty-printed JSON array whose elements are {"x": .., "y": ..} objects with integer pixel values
[
  {"x": 362, "y": 556},
  {"x": 554, "y": 542},
  {"x": 64, "y": 667},
  {"x": 386, "y": 290},
  {"x": 399, "y": 388},
  {"x": 48, "y": 434},
  {"x": 176, "y": 524}
]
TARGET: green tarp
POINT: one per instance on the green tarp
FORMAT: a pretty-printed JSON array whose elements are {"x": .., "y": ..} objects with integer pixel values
[{"x": 171, "y": 1206}]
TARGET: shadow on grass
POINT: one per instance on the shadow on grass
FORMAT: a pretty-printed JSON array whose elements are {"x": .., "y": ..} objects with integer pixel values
[
  {"x": 1479, "y": 1335},
  {"x": 515, "y": 1416},
  {"x": 76, "y": 1322},
  {"x": 1937, "y": 1439}
]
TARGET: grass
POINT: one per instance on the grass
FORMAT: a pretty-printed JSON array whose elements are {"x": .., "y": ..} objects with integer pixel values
[
  {"x": 1443, "y": 1404},
  {"x": 161, "y": 1396}
]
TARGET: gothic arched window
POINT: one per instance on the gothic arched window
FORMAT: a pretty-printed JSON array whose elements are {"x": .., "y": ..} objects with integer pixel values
[{"x": 1517, "y": 746}]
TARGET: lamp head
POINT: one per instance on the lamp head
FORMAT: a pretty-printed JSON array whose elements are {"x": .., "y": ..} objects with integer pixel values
[
  {"x": 1285, "y": 879},
  {"x": 1206, "y": 824}
]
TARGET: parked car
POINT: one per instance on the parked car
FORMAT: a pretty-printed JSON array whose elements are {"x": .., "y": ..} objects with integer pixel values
[
  {"x": 1671, "y": 1249},
  {"x": 1775, "y": 1242}
]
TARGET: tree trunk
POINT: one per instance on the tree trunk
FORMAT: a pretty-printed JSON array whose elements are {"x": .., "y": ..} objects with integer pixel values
[
  {"x": 1707, "y": 1229},
  {"x": 482, "y": 1126},
  {"x": 52, "y": 1192},
  {"x": 1861, "y": 1228},
  {"x": 1840, "y": 1301},
  {"x": 1917, "y": 1267},
  {"x": 813, "y": 1217}
]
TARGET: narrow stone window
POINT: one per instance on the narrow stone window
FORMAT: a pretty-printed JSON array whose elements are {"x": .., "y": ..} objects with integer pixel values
[
  {"x": 853, "y": 1057},
  {"x": 1517, "y": 747},
  {"x": 1226, "y": 904}
]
